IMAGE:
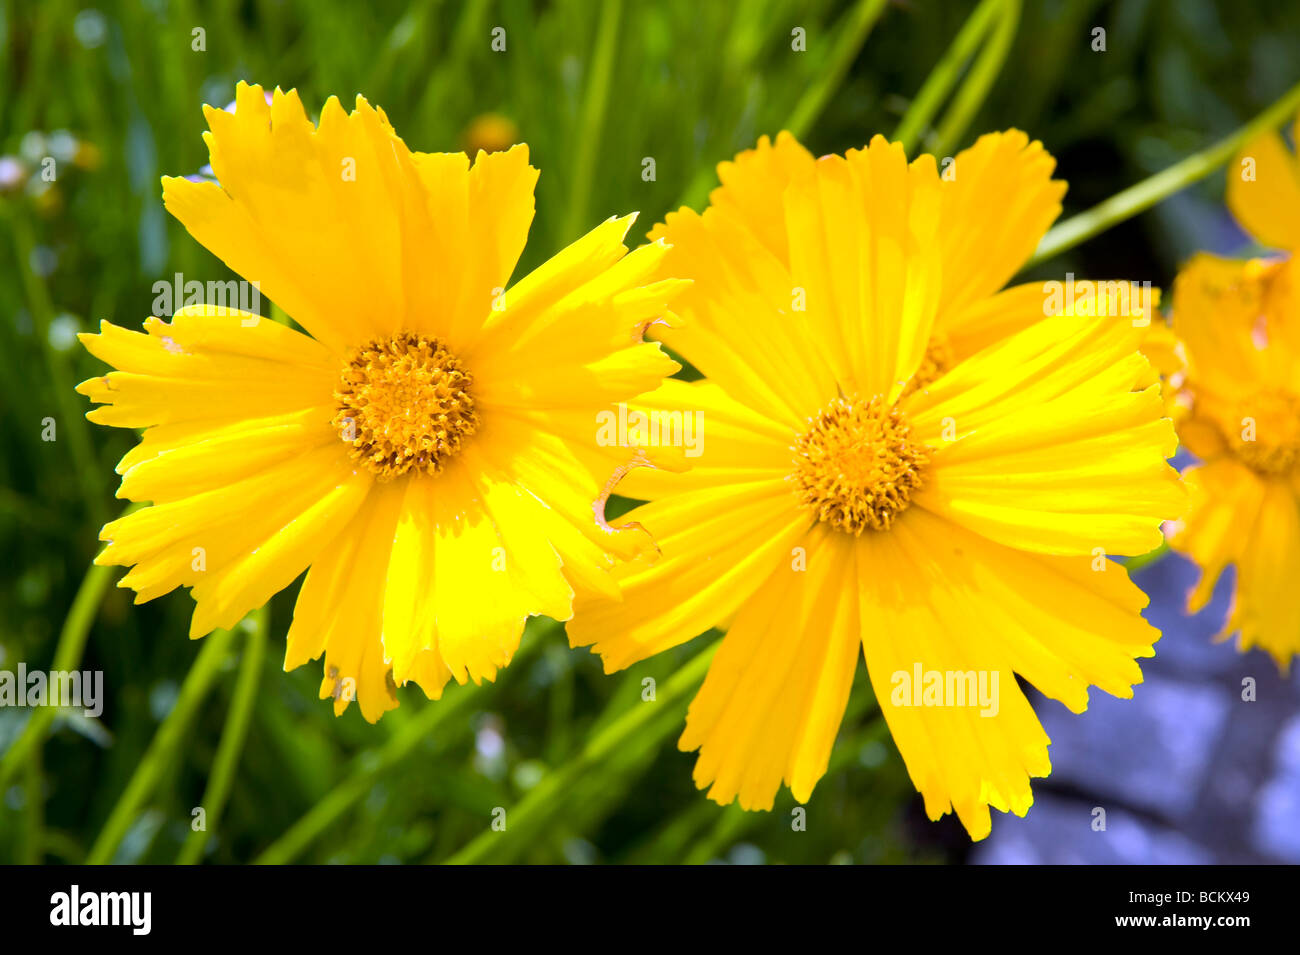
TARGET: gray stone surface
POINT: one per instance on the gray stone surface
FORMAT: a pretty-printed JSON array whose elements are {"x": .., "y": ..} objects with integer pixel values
[
  {"x": 1275, "y": 830},
  {"x": 1059, "y": 831},
  {"x": 1187, "y": 771}
]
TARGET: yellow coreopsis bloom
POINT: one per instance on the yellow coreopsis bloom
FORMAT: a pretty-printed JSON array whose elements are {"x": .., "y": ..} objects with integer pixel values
[
  {"x": 896, "y": 457},
  {"x": 427, "y": 448},
  {"x": 1238, "y": 323}
]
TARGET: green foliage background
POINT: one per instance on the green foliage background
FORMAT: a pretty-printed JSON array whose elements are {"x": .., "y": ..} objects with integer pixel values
[{"x": 593, "y": 88}]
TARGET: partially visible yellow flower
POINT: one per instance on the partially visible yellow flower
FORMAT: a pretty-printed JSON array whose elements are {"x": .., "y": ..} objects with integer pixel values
[
  {"x": 490, "y": 132},
  {"x": 1264, "y": 191},
  {"x": 899, "y": 460},
  {"x": 427, "y": 448},
  {"x": 1238, "y": 324},
  {"x": 1160, "y": 346}
]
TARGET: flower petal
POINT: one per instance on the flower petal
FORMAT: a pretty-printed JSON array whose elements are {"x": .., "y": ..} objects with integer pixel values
[
  {"x": 1042, "y": 442},
  {"x": 1225, "y": 507},
  {"x": 775, "y": 694},
  {"x": 716, "y": 546},
  {"x": 238, "y": 544},
  {"x": 1264, "y": 610},
  {"x": 1268, "y": 203},
  {"x": 957, "y": 757},
  {"x": 999, "y": 198},
  {"x": 349, "y": 231},
  {"x": 864, "y": 245},
  {"x": 339, "y": 612},
  {"x": 205, "y": 369},
  {"x": 723, "y": 441},
  {"x": 449, "y": 583}
]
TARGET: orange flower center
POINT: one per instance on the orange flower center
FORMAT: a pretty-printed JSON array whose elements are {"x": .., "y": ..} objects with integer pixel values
[
  {"x": 1265, "y": 435},
  {"x": 938, "y": 361},
  {"x": 404, "y": 404},
  {"x": 856, "y": 466}
]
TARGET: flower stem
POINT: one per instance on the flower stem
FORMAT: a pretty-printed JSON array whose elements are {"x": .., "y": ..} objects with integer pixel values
[
  {"x": 33, "y": 850},
  {"x": 1145, "y": 194},
  {"x": 592, "y": 120},
  {"x": 944, "y": 74},
  {"x": 853, "y": 33},
  {"x": 232, "y": 739},
  {"x": 545, "y": 798},
  {"x": 978, "y": 82},
  {"x": 67, "y": 656},
  {"x": 366, "y": 769},
  {"x": 163, "y": 747},
  {"x": 73, "y": 421},
  {"x": 735, "y": 821}
]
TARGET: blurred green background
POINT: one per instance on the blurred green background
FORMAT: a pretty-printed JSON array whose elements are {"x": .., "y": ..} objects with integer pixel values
[{"x": 113, "y": 91}]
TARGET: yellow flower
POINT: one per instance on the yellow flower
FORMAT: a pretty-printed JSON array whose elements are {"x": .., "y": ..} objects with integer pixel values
[
  {"x": 1239, "y": 393},
  {"x": 490, "y": 132},
  {"x": 954, "y": 524},
  {"x": 426, "y": 448},
  {"x": 1264, "y": 191}
]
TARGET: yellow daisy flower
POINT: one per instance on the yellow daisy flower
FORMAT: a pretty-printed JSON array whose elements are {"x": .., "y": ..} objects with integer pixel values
[
  {"x": 490, "y": 132},
  {"x": 1264, "y": 190},
  {"x": 897, "y": 457},
  {"x": 427, "y": 447},
  {"x": 1238, "y": 324}
]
